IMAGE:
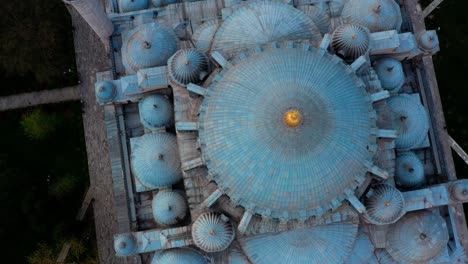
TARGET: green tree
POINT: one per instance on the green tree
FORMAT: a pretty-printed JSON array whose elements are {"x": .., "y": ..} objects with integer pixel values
[
  {"x": 39, "y": 124},
  {"x": 43, "y": 255}
]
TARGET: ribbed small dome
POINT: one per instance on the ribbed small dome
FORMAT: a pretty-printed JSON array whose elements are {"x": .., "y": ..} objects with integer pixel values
[
  {"x": 125, "y": 244},
  {"x": 169, "y": 207},
  {"x": 384, "y": 204},
  {"x": 179, "y": 256},
  {"x": 409, "y": 171},
  {"x": 418, "y": 237},
  {"x": 105, "y": 91},
  {"x": 204, "y": 34},
  {"x": 363, "y": 250},
  {"x": 155, "y": 160},
  {"x": 320, "y": 18},
  {"x": 428, "y": 40},
  {"x": 187, "y": 66},
  {"x": 212, "y": 233},
  {"x": 412, "y": 121},
  {"x": 156, "y": 111},
  {"x": 132, "y": 5},
  {"x": 148, "y": 45},
  {"x": 351, "y": 41},
  {"x": 376, "y": 15},
  {"x": 459, "y": 191},
  {"x": 390, "y": 73}
]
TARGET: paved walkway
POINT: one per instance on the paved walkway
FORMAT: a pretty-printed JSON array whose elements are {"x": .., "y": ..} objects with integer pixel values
[{"x": 38, "y": 98}]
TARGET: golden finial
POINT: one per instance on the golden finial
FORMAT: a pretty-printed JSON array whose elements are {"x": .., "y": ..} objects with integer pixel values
[
  {"x": 293, "y": 118},
  {"x": 354, "y": 36},
  {"x": 388, "y": 203},
  {"x": 212, "y": 232}
]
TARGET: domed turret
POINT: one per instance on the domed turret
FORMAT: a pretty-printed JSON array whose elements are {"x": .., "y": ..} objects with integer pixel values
[
  {"x": 351, "y": 41},
  {"x": 178, "y": 255},
  {"x": 169, "y": 207},
  {"x": 428, "y": 40},
  {"x": 156, "y": 111},
  {"x": 125, "y": 244},
  {"x": 384, "y": 205},
  {"x": 376, "y": 15},
  {"x": 390, "y": 73},
  {"x": 105, "y": 91},
  {"x": 459, "y": 191},
  {"x": 133, "y": 5},
  {"x": 212, "y": 232},
  {"x": 409, "y": 171},
  {"x": 187, "y": 66}
]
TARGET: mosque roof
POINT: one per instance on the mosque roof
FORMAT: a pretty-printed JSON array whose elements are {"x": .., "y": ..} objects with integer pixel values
[
  {"x": 212, "y": 232},
  {"x": 319, "y": 17},
  {"x": 169, "y": 207},
  {"x": 390, "y": 73},
  {"x": 262, "y": 22},
  {"x": 203, "y": 35},
  {"x": 133, "y": 5},
  {"x": 179, "y": 255},
  {"x": 155, "y": 160},
  {"x": 277, "y": 126},
  {"x": 125, "y": 244},
  {"x": 148, "y": 45},
  {"x": 236, "y": 257},
  {"x": 105, "y": 91},
  {"x": 156, "y": 111},
  {"x": 363, "y": 250},
  {"x": 417, "y": 237},
  {"x": 351, "y": 40},
  {"x": 376, "y": 15},
  {"x": 409, "y": 171},
  {"x": 384, "y": 204},
  {"x": 428, "y": 40},
  {"x": 187, "y": 66},
  {"x": 325, "y": 244}
]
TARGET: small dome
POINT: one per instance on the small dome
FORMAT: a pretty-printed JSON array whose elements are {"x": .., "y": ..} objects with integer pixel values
[
  {"x": 351, "y": 41},
  {"x": 428, "y": 40},
  {"x": 390, "y": 73},
  {"x": 125, "y": 244},
  {"x": 412, "y": 121},
  {"x": 376, "y": 15},
  {"x": 409, "y": 171},
  {"x": 203, "y": 35},
  {"x": 155, "y": 160},
  {"x": 212, "y": 233},
  {"x": 459, "y": 191},
  {"x": 187, "y": 66},
  {"x": 148, "y": 45},
  {"x": 418, "y": 237},
  {"x": 384, "y": 204},
  {"x": 179, "y": 256},
  {"x": 169, "y": 207},
  {"x": 320, "y": 18},
  {"x": 105, "y": 91},
  {"x": 156, "y": 111},
  {"x": 363, "y": 250},
  {"x": 132, "y": 5}
]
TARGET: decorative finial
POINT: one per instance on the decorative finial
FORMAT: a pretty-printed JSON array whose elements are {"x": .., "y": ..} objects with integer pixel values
[
  {"x": 411, "y": 170},
  {"x": 354, "y": 36},
  {"x": 293, "y": 118},
  {"x": 187, "y": 62},
  {"x": 403, "y": 118},
  {"x": 146, "y": 45},
  {"x": 388, "y": 203},
  {"x": 422, "y": 236},
  {"x": 390, "y": 68},
  {"x": 160, "y": 157},
  {"x": 378, "y": 9},
  {"x": 122, "y": 245},
  {"x": 155, "y": 106},
  {"x": 102, "y": 89},
  {"x": 212, "y": 232}
]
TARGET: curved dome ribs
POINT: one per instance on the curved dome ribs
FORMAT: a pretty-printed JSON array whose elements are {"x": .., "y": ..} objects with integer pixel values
[
  {"x": 156, "y": 112},
  {"x": 351, "y": 41},
  {"x": 385, "y": 204},
  {"x": 212, "y": 232},
  {"x": 376, "y": 15},
  {"x": 179, "y": 255},
  {"x": 169, "y": 207}
]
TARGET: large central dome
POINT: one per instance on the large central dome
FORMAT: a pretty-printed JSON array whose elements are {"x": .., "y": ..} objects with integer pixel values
[{"x": 286, "y": 131}]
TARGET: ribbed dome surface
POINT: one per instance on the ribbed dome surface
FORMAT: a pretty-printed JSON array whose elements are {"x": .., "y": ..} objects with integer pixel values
[
  {"x": 105, "y": 91},
  {"x": 385, "y": 204},
  {"x": 411, "y": 120},
  {"x": 160, "y": 3},
  {"x": 156, "y": 111},
  {"x": 125, "y": 245},
  {"x": 363, "y": 250},
  {"x": 428, "y": 40},
  {"x": 132, "y": 5},
  {"x": 418, "y": 237},
  {"x": 336, "y": 7},
  {"x": 383, "y": 257},
  {"x": 248, "y": 138},
  {"x": 236, "y": 257},
  {"x": 376, "y": 15},
  {"x": 459, "y": 191},
  {"x": 178, "y": 256},
  {"x": 409, "y": 171},
  {"x": 212, "y": 233},
  {"x": 148, "y": 45},
  {"x": 351, "y": 40},
  {"x": 155, "y": 160},
  {"x": 262, "y": 22},
  {"x": 390, "y": 73},
  {"x": 326, "y": 244},
  {"x": 169, "y": 207},
  {"x": 320, "y": 18},
  {"x": 204, "y": 34},
  {"x": 186, "y": 66}
]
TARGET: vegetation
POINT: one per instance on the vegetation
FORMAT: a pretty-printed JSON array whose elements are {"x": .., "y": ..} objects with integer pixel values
[{"x": 39, "y": 125}]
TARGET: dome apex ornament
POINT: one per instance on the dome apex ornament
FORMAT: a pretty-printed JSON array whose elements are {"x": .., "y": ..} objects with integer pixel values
[{"x": 293, "y": 118}]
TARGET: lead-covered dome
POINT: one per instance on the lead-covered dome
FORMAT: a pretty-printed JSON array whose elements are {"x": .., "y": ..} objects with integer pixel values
[
  {"x": 262, "y": 22},
  {"x": 276, "y": 127},
  {"x": 212, "y": 232},
  {"x": 156, "y": 111},
  {"x": 125, "y": 244},
  {"x": 351, "y": 41},
  {"x": 390, "y": 73},
  {"x": 179, "y": 256},
  {"x": 155, "y": 160},
  {"x": 132, "y": 5},
  {"x": 203, "y": 36},
  {"x": 412, "y": 121},
  {"x": 363, "y": 250},
  {"x": 418, "y": 237},
  {"x": 187, "y": 66},
  {"x": 409, "y": 171},
  {"x": 376, "y": 15},
  {"x": 105, "y": 91},
  {"x": 459, "y": 190},
  {"x": 169, "y": 207},
  {"x": 428, "y": 40},
  {"x": 148, "y": 45},
  {"x": 384, "y": 204},
  {"x": 320, "y": 18}
]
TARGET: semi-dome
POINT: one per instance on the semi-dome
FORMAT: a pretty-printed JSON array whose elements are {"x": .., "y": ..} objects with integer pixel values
[
  {"x": 383, "y": 257},
  {"x": 156, "y": 111},
  {"x": 320, "y": 18},
  {"x": 287, "y": 116},
  {"x": 376, "y": 15},
  {"x": 412, "y": 121},
  {"x": 132, "y": 5},
  {"x": 459, "y": 190},
  {"x": 179, "y": 256},
  {"x": 155, "y": 160},
  {"x": 336, "y": 7},
  {"x": 384, "y": 204},
  {"x": 236, "y": 257},
  {"x": 148, "y": 45},
  {"x": 212, "y": 232},
  {"x": 330, "y": 243},
  {"x": 409, "y": 171},
  {"x": 203, "y": 36},
  {"x": 351, "y": 41},
  {"x": 428, "y": 40},
  {"x": 262, "y": 22},
  {"x": 390, "y": 73},
  {"x": 169, "y": 207},
  {"x": 418, "y": 237},
  {"x": 187, "y": 66},
  {"x": 125, "y": 244},
  {"x": 363, "y": 250},
  {"x": 105, "y": 91}
]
